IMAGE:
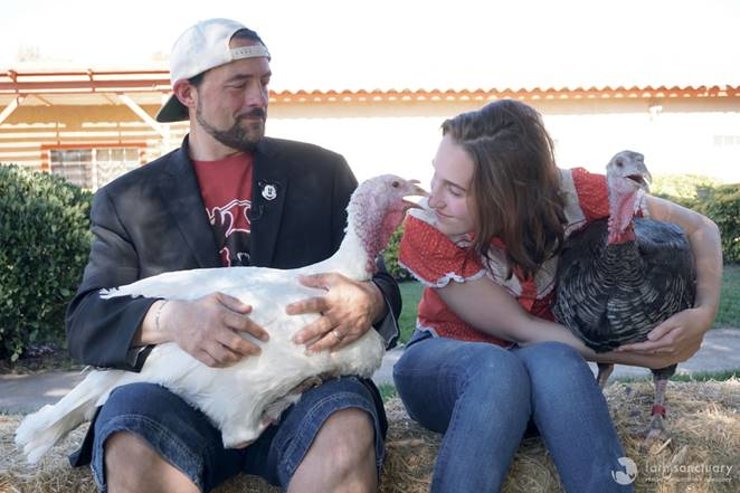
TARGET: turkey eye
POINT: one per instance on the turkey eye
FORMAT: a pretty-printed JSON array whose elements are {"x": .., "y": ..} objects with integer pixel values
[
  {"x": 395, "y": 184},
  {"x": 619, "y": 163}
]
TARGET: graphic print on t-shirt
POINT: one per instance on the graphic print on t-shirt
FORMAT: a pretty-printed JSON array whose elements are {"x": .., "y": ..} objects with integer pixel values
[
  {"x": 226, "y": 189},
  {"x": 231, "y": 223}
]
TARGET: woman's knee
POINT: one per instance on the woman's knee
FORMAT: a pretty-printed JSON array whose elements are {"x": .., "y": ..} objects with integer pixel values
[
  {"x": 443, "y": 368},
  {"x": 494, "y": 372},
  {"x": 472, "y": 376},
  {"x": 554, "y": 361}
]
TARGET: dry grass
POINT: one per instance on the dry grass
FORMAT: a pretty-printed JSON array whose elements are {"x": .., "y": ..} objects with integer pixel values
[{"x": 703, "y": 421}]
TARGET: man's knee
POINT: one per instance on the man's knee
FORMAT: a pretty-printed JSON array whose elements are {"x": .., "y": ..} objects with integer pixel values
[
  {"x": 131, "y": 464},
  {"x": 126, "y": 457},
  {"x": 125, "y": 448},
  {"x": 352, "y": 435}
]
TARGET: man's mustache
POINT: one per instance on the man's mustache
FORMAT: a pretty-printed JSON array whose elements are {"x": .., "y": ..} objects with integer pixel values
[{"x": 255, "y": 113}]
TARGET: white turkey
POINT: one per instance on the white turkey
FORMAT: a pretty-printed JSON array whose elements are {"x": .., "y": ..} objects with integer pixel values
[
  {"x": 619, "y": 278},
  {"x": 244, "y": 398}
]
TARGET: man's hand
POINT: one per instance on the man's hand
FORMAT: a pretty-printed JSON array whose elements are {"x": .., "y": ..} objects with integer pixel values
[
  {"x": 209, "y": 328},
  {"x": 348, "y": 310}
]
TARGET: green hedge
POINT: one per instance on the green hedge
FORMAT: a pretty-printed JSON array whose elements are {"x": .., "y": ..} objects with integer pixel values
[
  {"x": 390, "y": 257},
  {"x": 687, "y": 190},
  {"x": 44, "y": 228},
  {"x": 722, "y": 205}
]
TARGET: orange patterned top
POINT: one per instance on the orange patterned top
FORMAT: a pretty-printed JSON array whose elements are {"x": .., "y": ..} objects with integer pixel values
[{"x": 436, "y": 259}]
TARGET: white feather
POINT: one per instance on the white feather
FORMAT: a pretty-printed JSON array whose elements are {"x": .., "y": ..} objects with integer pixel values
[{"x": 243, "y": 398}]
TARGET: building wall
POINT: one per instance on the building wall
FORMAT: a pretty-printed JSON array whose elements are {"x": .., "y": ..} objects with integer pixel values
[
  {"x": 31, "y": 131},
  {"x": 677, "y": 135}
]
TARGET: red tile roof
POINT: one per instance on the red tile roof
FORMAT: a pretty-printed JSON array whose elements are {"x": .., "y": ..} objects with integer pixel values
[{"x": 150, "y": 86}]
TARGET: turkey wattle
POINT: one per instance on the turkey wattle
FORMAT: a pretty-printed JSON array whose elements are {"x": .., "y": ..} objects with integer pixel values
[
  {"x": 266, "y": 384},
  {"x": 619, "y": 278}
]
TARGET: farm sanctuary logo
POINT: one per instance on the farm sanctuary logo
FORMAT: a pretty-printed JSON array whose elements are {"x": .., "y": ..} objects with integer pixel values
[
  {"x": 688, "y": 473},
  {"x": 628, "y": 475},
  {"x": 672, "y": 472}
]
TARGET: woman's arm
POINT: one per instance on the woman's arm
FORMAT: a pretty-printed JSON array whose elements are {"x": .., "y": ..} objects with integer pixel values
[
  {"x": 680, "y": 336},
  {"x": 491, "y": 309}
]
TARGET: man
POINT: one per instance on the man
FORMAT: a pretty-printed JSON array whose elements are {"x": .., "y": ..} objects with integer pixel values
[{"x": 228, "y": 196}]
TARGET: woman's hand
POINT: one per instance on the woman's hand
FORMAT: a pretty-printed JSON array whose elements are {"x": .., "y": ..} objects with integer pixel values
[{"x": 677, "y": 338}]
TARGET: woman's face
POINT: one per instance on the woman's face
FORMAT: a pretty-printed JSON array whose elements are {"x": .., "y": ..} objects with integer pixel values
[{"x": 451, "y": 197}]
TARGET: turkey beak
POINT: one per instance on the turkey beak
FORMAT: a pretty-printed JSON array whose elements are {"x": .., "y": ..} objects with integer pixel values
[
  {"x": 643, "y": 178},
  {"x": 416, "y": 191},
  {"x": 646, "y": 181}
]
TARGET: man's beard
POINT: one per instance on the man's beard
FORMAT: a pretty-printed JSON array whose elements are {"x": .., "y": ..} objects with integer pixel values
[{"x": 236, "y": 137}]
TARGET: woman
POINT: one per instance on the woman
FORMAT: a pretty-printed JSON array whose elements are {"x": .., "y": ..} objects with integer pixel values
[{"x": 487, "y": 360}]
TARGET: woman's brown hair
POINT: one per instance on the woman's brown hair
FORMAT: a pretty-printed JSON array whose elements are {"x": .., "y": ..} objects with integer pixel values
[{"x": 516, "y": 183}]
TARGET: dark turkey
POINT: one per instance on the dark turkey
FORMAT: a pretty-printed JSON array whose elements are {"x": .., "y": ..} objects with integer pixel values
[{"x": 618, "y": 278}]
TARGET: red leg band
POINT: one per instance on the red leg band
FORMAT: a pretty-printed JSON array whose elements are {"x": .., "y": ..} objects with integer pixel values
[{"x": 658, "y": 409}]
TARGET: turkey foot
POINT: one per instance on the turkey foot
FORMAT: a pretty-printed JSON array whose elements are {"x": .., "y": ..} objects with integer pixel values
[{"x": 657, "y": 437}]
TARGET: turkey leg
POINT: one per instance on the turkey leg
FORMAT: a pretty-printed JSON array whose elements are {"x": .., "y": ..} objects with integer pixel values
[
  {"x": 656, "y": 428},
  {"x": 605, "y": 370}
]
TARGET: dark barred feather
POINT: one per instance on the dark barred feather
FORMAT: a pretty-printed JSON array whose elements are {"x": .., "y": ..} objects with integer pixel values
[{"x": 614, "y": 295}]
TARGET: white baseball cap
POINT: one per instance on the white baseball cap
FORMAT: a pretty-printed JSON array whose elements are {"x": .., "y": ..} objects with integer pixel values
[{"x": 202, "y": 47}]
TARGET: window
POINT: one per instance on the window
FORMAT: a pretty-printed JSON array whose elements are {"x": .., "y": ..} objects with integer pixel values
[
  {"x": 93, "y": 168},
  {"x": 73, "y": 165},
  {"x": 727, "y": 141}
]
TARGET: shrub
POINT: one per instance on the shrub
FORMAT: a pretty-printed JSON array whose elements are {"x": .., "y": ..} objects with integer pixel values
[
  {"x": 390, "y": 257},
  {"x": 722, "y": 205},
  {"x": 687, "y": 190},
  {"x": 44, "y": 228}
]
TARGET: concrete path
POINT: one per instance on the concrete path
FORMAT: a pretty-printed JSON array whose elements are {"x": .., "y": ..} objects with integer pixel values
[
  {"x": 25, "y": 393},
  {"x": 720, "y": 351}
]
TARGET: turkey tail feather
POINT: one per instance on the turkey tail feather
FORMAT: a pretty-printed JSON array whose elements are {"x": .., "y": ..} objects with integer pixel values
[
  {"x": 109, "y": 293},
  {"x": 39, "y": 431}
]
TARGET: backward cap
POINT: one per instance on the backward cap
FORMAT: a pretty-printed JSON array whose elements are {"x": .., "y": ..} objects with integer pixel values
[{"x": 202, "y": 47}]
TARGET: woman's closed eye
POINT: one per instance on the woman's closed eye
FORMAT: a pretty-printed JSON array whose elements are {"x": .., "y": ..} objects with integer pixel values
[{"x": 455, "y": 191}]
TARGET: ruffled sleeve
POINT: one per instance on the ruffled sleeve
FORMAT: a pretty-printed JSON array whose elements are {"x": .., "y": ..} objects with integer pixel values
[
  {"x": 432, "y": 257},
  {"x": 593, "y": 195}
]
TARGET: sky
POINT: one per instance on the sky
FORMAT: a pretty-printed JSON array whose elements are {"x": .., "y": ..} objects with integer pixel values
[{"x": 404, "y": 44}]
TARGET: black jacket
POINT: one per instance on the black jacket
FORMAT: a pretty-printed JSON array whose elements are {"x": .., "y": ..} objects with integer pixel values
[{"x": 152, "y": 220}]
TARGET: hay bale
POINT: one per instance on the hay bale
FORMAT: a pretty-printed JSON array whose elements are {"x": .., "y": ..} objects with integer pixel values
[
  {"x": 703, "y": 455},
  {"x": 53, "y": 474},
  {"x": 705, "y": 435}
]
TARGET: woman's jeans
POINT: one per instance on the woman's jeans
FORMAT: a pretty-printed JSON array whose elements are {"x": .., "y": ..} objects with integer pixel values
[{"x": 482, "y": 397}]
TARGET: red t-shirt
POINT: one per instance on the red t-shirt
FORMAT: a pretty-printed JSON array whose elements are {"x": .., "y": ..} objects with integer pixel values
[{"x": 226, "y": 189}]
